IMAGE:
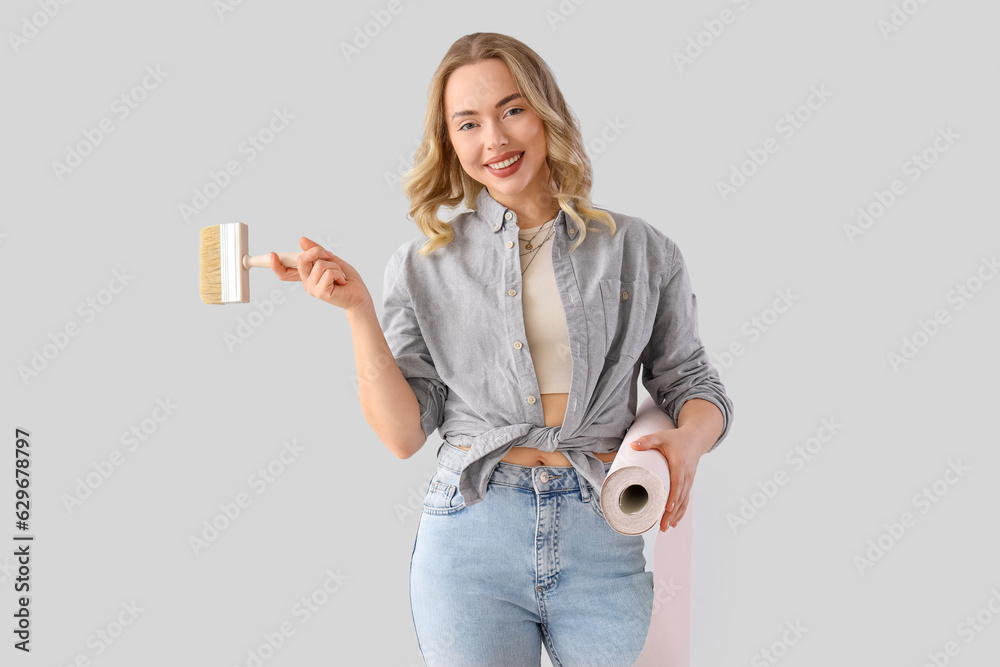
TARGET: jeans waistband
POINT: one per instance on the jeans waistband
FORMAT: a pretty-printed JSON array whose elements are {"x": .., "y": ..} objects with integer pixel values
[{"x": 551, "y": 478}]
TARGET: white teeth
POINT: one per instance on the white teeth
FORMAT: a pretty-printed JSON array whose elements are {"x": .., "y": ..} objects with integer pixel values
[{"x": 505, "y": 163}]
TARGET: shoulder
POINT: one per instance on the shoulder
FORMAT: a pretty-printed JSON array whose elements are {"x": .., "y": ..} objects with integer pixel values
[
  {"x": 407, "y": 265},
  {"x": 641, "y": 242},
  {"x": 405, "y": 252},
  {"x": 408, "y": 250}
]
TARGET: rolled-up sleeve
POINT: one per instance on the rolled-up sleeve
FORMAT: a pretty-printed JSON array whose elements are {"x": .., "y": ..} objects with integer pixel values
[
  {"x": 675, "y": 366},
  {"x": 402, "y": 333}
]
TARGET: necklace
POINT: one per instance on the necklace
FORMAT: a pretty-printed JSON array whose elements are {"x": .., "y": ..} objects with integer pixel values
[
  {"x": 531, "y": 249},
  {"x": 529, "y": 246}
]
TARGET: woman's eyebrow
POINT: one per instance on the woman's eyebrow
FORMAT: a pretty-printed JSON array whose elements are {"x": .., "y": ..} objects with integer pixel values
[{"x": 512, "y": 96}]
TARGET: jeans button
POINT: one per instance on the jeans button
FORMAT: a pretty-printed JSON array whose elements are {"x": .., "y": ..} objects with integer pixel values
[{"x": 544, "y": 477}]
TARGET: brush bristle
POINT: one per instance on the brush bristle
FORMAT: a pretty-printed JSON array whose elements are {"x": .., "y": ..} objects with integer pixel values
[{"x": 210, "y": 269}]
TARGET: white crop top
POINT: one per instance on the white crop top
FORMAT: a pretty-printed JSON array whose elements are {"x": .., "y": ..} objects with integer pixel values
[{"x": 544, "y": 317}]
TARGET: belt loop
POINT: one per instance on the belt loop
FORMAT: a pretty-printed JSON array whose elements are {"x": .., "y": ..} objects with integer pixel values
[{"x": 584, "y": 488}]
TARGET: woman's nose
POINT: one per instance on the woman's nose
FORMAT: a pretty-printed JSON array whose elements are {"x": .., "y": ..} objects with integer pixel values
[{"x": 495, "y": 136}]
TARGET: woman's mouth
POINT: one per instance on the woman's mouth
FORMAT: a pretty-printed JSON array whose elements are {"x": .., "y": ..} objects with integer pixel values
[{"x": 506, "y": 167}]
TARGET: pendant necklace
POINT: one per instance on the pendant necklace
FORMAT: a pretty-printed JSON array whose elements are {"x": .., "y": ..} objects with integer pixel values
[{"x": 532, "y": 248}]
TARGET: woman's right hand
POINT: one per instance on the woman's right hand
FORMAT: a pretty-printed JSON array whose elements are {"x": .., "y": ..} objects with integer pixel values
[{"x": 324, "y": 276}]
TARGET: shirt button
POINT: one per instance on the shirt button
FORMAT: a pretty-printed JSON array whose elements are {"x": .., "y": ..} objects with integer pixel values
[
  {"x": 508, "y": 215},
  {"x": 517, "y": 345},
  {"x": 510, "y": 244},
  {"x": 512, "y": 292},
  {"x": 624, "y": 295},
  {"x": 544, "y": 477},
  {"x": 496, "y": 227},
  {"x": 531, "y": 399},
  {"x": 572, "y": 231}
]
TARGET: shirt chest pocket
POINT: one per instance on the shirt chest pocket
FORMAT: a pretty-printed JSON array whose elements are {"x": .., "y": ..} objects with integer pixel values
[{"x": 625, "y": 304}]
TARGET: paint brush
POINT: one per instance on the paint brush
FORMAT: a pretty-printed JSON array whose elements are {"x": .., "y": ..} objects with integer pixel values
[{"x": 224, "y": 265}]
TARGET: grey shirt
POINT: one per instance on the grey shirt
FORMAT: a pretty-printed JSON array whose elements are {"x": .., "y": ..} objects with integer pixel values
[{"x": 454, "y": 323}]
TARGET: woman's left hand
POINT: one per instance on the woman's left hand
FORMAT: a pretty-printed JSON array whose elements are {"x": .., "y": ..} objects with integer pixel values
[{"x": 682, "y": 448}]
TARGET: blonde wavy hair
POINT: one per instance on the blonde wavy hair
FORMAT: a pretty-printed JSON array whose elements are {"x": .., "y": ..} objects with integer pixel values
[{"x": 437, "y": 177}]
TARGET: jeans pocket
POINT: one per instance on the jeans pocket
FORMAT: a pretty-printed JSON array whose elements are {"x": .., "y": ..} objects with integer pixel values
[
  {"x": 595, "y": 505},
  {"x": 442, "y": 496},
  {"x": 594, "y": 502}
]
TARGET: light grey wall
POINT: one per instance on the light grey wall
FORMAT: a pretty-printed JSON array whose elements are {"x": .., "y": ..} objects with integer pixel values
[{"x": 663, "y": 134}]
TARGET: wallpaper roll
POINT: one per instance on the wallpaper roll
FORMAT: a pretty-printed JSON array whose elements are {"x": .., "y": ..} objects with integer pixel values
[
  {"x": 668, "y": 641},
  {"x": 633, "y": 498},
  {"x": 634, "y": 493}
]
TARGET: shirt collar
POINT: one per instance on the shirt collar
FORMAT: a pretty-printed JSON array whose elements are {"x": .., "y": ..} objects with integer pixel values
[{"x": 494, "y": 215}]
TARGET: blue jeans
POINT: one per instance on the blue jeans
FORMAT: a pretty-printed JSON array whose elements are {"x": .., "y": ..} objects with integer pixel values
[{"x": 535, "y": 561}]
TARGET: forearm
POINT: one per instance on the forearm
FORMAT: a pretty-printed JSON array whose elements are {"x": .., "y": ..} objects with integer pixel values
[
  {"x": 703, "y": 418},
  {"x": 387, "y": 400}
]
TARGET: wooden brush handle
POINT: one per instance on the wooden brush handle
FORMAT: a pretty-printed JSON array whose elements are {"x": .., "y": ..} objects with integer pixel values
[{"x": 264, "y": 261}]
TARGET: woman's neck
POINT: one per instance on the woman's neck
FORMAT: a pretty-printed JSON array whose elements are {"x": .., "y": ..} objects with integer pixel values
[{"x": 531, "y": 211}]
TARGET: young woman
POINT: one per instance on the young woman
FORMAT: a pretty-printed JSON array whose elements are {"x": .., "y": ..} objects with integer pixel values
[{"x": 519, "y": 331}]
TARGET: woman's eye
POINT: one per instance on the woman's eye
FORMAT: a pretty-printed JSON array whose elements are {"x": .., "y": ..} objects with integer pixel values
[{"x": 461, "y": 128}]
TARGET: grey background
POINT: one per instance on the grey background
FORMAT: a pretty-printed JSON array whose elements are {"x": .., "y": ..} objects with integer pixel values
[{"x": 346, "y": 504}]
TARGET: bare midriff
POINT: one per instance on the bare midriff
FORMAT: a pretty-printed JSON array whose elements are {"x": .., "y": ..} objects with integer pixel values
[{"x": 554, "y": 409}]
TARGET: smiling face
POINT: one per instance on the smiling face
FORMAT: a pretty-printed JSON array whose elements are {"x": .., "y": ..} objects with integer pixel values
[{"x": 489, "y": 123}]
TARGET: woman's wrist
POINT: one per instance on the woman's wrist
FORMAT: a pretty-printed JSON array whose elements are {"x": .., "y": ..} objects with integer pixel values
[{"x": 362, "y": 311}]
